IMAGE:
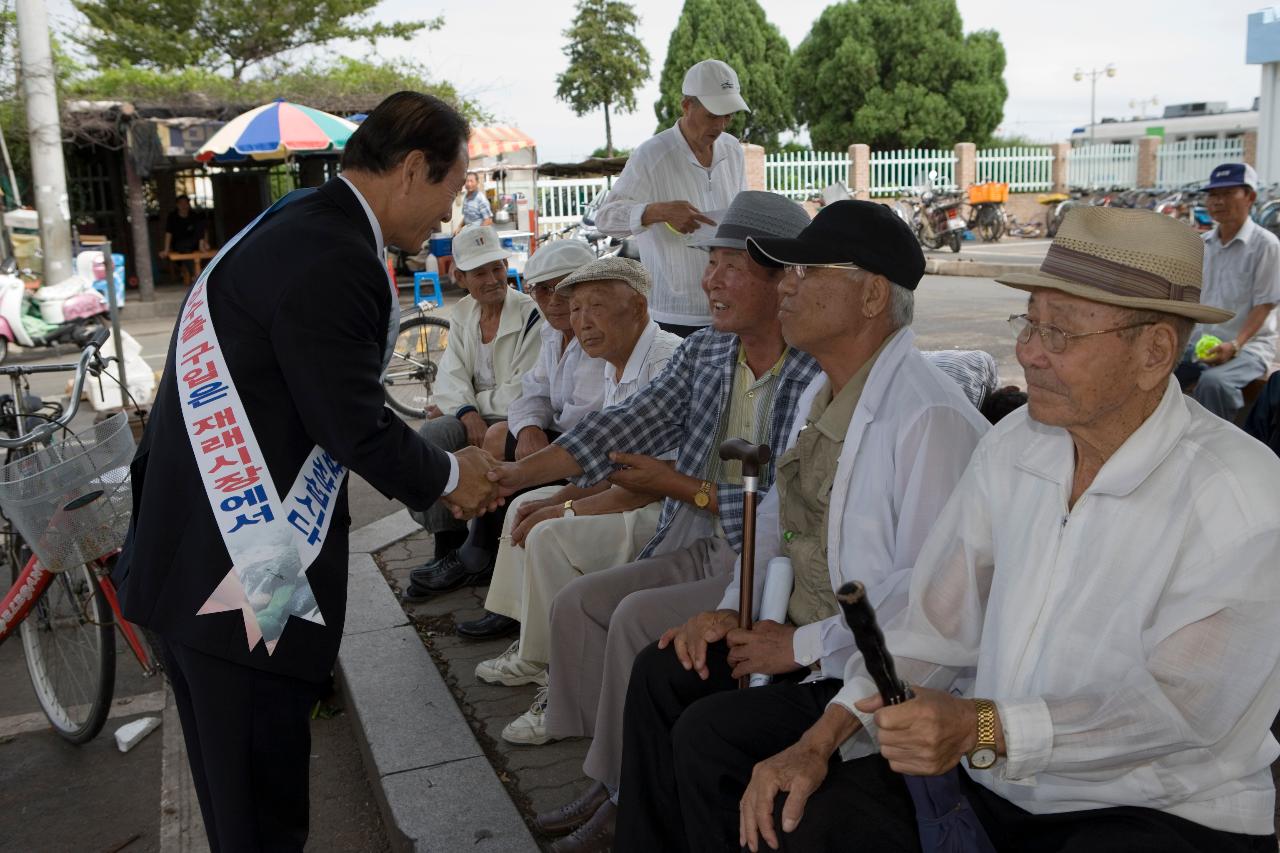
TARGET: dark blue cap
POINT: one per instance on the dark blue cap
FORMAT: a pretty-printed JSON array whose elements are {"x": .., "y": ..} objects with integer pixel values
[{"x": 1233, "y": 175}]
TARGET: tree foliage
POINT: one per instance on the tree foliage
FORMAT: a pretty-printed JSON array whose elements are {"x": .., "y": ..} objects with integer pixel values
[
  {"x": 736, "y": 32},
  {"x": 171, "y": 35},
  {"x": 897, "y": 74},
  {"x": 607, "y": 61}
]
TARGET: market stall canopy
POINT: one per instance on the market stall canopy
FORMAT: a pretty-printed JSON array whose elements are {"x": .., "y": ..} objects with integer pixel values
[
  {"x": 595, "y": 167},
  {"x": 492, "y": 141},
  {"x": 274, "y": 131}
]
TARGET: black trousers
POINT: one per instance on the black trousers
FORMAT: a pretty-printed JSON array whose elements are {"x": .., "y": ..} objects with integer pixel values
[
  {"x": 248, "y": 738},
  {"x": 679, "y": 789}
]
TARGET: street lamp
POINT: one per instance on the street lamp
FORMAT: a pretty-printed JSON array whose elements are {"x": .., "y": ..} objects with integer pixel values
[
  {"x": 1135, "y": 103},
  {"x": 1093, "y": 75}
]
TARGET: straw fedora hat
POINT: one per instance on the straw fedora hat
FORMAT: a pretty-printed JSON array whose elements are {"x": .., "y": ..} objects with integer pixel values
[{"x": 1136, "y": 259}]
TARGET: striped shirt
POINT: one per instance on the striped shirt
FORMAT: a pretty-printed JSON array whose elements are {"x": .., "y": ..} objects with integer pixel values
[
  {"x": 664, "y": 168},
  {"x": 475, "y": 208},
  {"x": 750, "y": 407}
]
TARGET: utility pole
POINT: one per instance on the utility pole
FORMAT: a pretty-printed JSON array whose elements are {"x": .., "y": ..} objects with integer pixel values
[
  {"x": 1093, "y": 75},
  {"x": 48, "y": 174}
]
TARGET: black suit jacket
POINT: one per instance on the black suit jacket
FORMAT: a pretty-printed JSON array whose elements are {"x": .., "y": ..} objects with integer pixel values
[{"x": 301, "y": 307}]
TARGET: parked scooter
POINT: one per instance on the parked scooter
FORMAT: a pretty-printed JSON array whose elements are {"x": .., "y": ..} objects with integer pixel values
[
  {"x": 934, "y": 217},
  {"x": 67, "y": 312}
]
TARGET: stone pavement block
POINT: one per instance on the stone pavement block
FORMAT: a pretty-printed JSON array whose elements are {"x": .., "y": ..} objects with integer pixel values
[
  {"x": 457, "y": 806},
  {"x": 409, "y": 718},
  {"x": 371, "y": 605},
  {"x": 383, "y": 532}
]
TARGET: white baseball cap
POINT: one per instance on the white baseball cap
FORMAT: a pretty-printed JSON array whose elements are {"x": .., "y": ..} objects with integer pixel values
[
  {"x": 557, "y": 259},
  {"x": 715, "y": 84},
  {"x": 475, "y": 246}
]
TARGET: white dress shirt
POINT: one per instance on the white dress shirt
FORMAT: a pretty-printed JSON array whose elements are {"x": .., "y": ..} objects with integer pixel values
[
  {"x": 564, "y": 387},
  {"x": 1237, "y": 276},
  {"x": 1132, "y": 641},
  {"x": 649, "y": 357},
  {"x": 664, "y": 168},
  {"x": 908, "y": 443}
]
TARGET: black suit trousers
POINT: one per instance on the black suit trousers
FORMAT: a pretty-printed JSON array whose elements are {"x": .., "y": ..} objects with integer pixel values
[{"x": 248, "y": 738}]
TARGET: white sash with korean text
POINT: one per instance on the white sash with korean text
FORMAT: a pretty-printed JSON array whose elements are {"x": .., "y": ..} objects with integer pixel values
[{"x": 271, "y": 541}]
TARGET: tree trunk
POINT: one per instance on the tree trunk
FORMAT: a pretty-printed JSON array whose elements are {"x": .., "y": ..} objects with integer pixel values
[
  {"x": 608, "y": 132},
  {"x": 138, "y": 226}
]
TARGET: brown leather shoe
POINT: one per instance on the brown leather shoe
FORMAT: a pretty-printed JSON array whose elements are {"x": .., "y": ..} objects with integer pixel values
[
  {"x": 594, "y": 836},
  {"x": 572, "y": 815}
]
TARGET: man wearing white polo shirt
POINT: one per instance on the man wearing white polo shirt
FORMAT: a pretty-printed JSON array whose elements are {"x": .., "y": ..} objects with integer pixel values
[{"x": 670, "y": 183}]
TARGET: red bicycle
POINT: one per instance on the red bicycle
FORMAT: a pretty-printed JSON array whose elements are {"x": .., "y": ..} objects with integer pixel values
[{"x": 66, "y": 502}]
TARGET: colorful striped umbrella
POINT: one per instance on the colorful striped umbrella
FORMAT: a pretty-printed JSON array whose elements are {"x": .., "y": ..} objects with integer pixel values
[{"x": 274, "y": 131}]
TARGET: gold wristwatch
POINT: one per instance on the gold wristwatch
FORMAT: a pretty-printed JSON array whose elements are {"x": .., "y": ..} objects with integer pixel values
[
  {"x": 568, "y": 510},
  {"x": 702, "y": 497},
  {"x": 983, "y": 754}
]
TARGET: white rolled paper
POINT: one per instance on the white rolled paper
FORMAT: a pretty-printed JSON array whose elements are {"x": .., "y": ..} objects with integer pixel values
[{"x": 778, "y": 581}]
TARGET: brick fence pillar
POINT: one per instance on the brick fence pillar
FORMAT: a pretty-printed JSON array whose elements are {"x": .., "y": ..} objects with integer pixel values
[
  {"x": 1148, "y": 161},
  {"x": 1061, "y": 151},
  {"x": 966, "y": 165},
  {"x": 754, "y": 155},
  {"x": 1250, "y": 155},
  {"x": 860, "y": 171}
]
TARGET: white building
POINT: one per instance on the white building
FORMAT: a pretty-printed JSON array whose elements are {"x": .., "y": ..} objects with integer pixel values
[{"x": 1179, "y": 123}]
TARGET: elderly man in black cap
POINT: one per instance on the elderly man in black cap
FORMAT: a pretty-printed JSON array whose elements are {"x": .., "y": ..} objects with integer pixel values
[{"x": 882, "y": 438}]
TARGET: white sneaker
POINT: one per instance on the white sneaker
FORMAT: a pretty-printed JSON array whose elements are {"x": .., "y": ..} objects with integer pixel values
[
  {"x": 530, "y": 728},
  {"x": 511, "y": 670}
]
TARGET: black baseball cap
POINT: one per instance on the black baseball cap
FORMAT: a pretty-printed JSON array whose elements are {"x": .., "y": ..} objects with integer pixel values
[{"x": 864, "y": 233}]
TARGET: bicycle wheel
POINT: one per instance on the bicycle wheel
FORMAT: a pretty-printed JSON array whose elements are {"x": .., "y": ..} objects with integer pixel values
[
  {"x": 411, "y": 374},
  {"x": 990, "y": 225},
  {"x": 69, "y": 643}
]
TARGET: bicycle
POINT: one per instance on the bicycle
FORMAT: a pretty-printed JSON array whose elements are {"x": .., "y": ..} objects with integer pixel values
[
  {"x": 67, "y": 506},
  {"x": 411, "y": 373}
]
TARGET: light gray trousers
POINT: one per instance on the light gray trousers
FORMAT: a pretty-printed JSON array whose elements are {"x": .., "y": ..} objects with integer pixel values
[
  {"x": 601, "y": 621},
  {"x": 1220, "y": 389}
]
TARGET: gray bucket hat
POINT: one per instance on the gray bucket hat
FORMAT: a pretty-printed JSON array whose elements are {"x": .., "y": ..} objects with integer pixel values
[{"x": 753, "y": 213}]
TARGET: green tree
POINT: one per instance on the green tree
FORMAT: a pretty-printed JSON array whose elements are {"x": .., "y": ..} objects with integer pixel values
[
  {"x": 224, "y": 34},
  {"x": 736, "y": 32},
  {"x": 607, "y": 61},
  {"x": 897, "y": 74}
]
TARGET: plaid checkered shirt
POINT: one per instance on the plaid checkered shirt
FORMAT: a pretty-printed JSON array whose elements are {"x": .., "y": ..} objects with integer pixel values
[{"x": 681, "y": 410}]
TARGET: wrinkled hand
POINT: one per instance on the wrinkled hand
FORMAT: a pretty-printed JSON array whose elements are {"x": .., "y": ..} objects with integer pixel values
[
  {"x": 690, "y": 640},
  {"x": 527, "y": 508},
  {"x": 433, "y": 412},
  {"x": 531, "y": 440},
  {"x": 476, "y": 428},
  {"x": 509, "y": 477},
  {"x": 521, "y": 531},
  {"x": 1221, "y": 354},
  {"x": 682, "y": 216},
  {"x": 644, "y": 475},
  {"x": 926, "y": 736},
  {"x": 798, "y": 770},
  {"x": 475, "y": 492},
  {"x": 764, "y": 647}
]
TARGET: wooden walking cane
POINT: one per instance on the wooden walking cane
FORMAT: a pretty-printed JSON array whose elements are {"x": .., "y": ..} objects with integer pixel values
[{"x": 752, "y": 457}]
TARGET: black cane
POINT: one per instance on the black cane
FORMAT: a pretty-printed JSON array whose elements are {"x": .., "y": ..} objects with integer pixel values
[
  {"x": 861, "y": 618},
  {"x": 753, "y": 457}
]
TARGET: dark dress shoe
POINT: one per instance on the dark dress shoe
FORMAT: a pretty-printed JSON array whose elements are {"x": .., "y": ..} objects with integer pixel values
[
  {"x": 422, "y": 574},
  {"x": 594, "y": 836},
  {"x": 488, "y": 627},
  {"x": 454, "y": 574},
  {"x": 572, "y": 815}
]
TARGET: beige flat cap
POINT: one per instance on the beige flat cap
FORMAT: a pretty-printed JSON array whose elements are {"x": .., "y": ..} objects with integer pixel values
[{"x": 611, "y": 268}]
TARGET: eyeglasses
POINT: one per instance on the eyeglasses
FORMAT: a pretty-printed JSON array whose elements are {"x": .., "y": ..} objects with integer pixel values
[
  {"x": 1052, "y": 338},
  {"x": 542, "y": 291},
  {"x": 798, "y": 270}
]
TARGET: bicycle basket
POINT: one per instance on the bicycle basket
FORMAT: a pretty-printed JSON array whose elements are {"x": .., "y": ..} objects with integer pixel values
[{"x": 71, "y": 501}]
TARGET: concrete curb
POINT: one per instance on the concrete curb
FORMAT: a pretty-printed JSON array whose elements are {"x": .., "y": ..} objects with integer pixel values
[
  {"x": 434, "y": 785},
  {"x": 977, "y": 269}
]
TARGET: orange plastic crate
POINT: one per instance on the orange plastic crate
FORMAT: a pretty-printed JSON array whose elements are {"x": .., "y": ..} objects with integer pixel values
[{"x": 991, "y": 191}]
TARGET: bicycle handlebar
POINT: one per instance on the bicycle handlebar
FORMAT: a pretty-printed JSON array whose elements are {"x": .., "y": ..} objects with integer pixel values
[{"x": 87, "y": 355}]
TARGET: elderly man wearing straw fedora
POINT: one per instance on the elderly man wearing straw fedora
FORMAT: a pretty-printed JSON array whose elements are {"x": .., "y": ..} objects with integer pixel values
[
  {"x": 882, "y": 438},
  {"x": 1241, "y": 275},
  {"x": 1106, "y": 570}
]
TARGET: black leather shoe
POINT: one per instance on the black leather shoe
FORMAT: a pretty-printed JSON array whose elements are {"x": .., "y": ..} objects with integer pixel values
[
  {"x": 594, "y": 836},
  {"x": 572, "y": 815},
  {"x": 454, "y": 574},
  {"x": 424, "y": 573},
  {"x": 488, "y": 627}
]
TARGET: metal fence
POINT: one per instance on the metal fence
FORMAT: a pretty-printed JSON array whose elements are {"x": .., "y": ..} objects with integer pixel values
[
  {"x": 562, "y": 202},
  {"x": 1103, "y": 166},
  {"x": 801, "y": 174},
  {"x": 1191, "y": 161},
  {"x": 903, "y": 171},
  {"x": 1023, "y": 169}
]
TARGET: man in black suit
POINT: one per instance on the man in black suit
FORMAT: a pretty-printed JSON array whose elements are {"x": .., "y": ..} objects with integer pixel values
[{"x": 288, "y": 391}]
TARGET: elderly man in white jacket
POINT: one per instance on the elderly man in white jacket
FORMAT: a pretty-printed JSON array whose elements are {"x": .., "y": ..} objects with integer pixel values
[
  {"x": 884, "y": 439},
  {"x": 494, "y": 339}
]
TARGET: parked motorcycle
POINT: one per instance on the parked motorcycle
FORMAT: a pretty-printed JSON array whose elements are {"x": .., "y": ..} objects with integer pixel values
[
  {"x": 67, "y": 312},
  {"x": 935, "y": 218}
]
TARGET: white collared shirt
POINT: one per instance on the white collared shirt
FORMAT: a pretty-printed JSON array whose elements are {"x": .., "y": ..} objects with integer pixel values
[
  {"x": 563, "y": 388},
  {"x": 1237, "y": 276},
  {"x": 664, "y": 168},
  {"x": 649, "y": 357},
  {"x": 1131, "y": 642}
]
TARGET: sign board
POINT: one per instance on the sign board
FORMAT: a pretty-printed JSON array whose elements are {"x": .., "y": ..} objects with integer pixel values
[{"x": 1263, "y": 42}]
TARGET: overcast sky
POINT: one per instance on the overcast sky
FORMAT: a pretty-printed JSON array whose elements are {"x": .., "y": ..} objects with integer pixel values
[{"x": 506, "y": 54}]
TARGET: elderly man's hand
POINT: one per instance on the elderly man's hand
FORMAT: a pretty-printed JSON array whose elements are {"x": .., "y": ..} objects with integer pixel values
[
  {"x": 521, "y": 531},
  {"x": 433, "y": 412},
  {"x": 476, "y": 428},
  {"x": 680, "y": 215},
  {"x": 798, "y": 770},
  {"x": 1221, "y": 354},
  {"x": 645, "y": 475},
  {"x": 764, "y": 647},
  {"x": 690, "y": 640},
  {"x": 475, "y": 492},
  {"x": 926, "y": 736},
  {"x": 530, "y": 440}
]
